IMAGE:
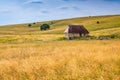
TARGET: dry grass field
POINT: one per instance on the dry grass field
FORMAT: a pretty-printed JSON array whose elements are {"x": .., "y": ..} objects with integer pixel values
[
  {"x": 61, "y": 60},
  {"x": 26, "y": 53}
]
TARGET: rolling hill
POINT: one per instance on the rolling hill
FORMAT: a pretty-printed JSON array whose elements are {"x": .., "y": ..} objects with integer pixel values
[
  {"x": 109, "y": 25},
  {"x": 26, "y": 53}
]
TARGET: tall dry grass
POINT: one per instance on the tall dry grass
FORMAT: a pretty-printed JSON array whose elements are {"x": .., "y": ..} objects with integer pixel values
[{"x": 61, "y": 60}]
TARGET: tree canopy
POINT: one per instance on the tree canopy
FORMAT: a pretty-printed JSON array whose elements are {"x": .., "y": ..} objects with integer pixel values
[{"x": 44, "y": 27}]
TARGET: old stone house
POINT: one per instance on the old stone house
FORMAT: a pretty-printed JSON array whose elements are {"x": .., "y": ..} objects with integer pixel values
[{"x": 75, "y": 31}]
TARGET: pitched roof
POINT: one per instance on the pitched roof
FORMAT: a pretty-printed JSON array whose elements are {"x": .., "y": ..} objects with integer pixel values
[{"x": 76, "y": 29}]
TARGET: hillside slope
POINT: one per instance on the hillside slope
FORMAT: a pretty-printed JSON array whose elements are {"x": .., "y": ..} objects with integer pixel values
[
  {"x": 26, "y": 53},
  {"x": 109, "y": 25}
]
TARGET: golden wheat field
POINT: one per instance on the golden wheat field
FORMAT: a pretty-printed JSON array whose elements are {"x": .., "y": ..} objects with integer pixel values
[
  {"x": 26, "y": 53},
  {"x": 64, "y": 60}
]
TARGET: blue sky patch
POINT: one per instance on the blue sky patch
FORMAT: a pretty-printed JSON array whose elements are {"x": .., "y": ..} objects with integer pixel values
[{"x": 24, "y": 11}]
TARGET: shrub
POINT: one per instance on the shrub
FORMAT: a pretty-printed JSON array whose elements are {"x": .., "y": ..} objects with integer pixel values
[
  {"x": 79, "y": 38},
  {"x": 98, "y": 22},
  {"x": 52, "y": 23},
  {"x": 29, "y": 25},
  {"x": 34, "y": 23},
  {"x": 62, "y": 38},
  {"x": 87, "y": 38},
  {"x": 113, "y": 36}
]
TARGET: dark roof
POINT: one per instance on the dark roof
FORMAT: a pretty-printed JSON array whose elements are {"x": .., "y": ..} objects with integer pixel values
[{"x": 77, "y": 29}]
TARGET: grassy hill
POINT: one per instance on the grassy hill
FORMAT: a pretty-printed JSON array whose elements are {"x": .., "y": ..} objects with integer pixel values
[
  {"x": 109, "y": 25},
  {"x": 26, "y": 53}
]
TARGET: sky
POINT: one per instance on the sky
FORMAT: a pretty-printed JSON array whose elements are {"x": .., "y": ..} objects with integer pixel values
[{"x": 25, "y": 11}]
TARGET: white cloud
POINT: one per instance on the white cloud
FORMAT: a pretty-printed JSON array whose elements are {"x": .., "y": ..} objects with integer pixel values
[{"x": 33, "y": 1}]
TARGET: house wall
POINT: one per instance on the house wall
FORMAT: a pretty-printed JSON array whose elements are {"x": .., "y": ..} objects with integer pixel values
[
  {"x": 86, "y": 35},
  {"x": 70, "y": 35},
  {"x": 76, "y": 35}
]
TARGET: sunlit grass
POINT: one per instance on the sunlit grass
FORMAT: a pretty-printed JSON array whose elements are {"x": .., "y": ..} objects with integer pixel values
[
  {"x": 106, "y": 31},
  {"x": 26, "y": 53},
  {"x": 61, "y": 60},
  {"x": 29, "y": 38}
]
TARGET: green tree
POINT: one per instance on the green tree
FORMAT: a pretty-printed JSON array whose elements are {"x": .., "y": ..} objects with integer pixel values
[{"x": 44, "y": 27}]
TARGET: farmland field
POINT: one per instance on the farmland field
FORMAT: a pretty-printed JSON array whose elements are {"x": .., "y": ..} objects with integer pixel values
[{"x": 26, "y": 53}]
